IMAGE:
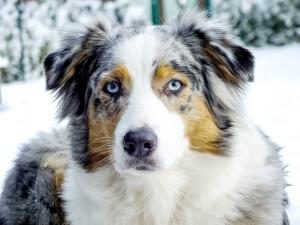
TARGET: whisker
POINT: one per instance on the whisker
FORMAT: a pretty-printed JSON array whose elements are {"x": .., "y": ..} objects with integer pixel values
[
  {"x": 104, "y": 162},
  {"x": 99, "y": 151},
  {"x": 99, "y": 145},
  {"x": 103, "y": 139}
]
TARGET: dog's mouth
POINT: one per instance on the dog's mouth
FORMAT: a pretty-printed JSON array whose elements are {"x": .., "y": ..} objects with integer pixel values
[{"x": 146, "y": 165}]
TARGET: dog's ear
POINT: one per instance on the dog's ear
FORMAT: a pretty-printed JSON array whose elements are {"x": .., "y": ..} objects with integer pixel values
[
  {"x": 233, "y": 63},
  {"x": 211, "y": 42},
  {"x": 68, "y": 70},
  {"x": 55, "y": 66}
]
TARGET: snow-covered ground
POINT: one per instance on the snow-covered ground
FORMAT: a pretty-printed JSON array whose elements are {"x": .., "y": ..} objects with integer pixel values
[{"x": 273, "y": 102}]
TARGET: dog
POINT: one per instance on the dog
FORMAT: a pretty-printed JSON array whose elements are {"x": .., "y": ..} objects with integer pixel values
[{"x": 157, "y": 134}]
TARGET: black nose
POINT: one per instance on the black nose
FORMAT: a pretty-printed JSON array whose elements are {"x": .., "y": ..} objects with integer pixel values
[{"x": 140, "y": 143}]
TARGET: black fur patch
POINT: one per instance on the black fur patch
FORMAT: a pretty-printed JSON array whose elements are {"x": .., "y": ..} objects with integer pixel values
[
  {"x": 2, "y": 220},
  {"x": 79, "y": 138},
  {"x": 25, "y": 179},
  {"x": 58, "y": 62},
  {"x": 244, "y": 63}
]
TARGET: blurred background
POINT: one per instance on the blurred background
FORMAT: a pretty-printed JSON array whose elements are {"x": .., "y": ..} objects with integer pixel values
[{"x": 30, "y": 29}]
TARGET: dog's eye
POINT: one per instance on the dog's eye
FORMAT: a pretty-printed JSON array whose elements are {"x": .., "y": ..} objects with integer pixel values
[
  {"x": 174, "y": 85},
  {"x": 112, "y": 87}
]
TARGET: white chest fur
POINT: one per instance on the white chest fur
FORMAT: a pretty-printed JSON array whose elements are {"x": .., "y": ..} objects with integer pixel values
[
  {"x": 161, "y": 200},
  {"x": 200, "y": 189}
]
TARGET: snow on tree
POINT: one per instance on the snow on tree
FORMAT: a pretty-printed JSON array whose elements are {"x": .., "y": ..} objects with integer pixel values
[
  {"x": 43, "y": 21},
  {"x": 9, "y": 44},
  {"x": 274, "y": 22}
]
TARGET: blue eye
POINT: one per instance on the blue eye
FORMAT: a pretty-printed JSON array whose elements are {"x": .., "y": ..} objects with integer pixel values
[
  {"x": 112, "y": 87},
  {"x": 175, "y": 85}
]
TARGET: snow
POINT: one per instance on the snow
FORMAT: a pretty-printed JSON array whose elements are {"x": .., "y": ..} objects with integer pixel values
[
  {"x": 3, "y": 62},
  {"x": 273, "y": 102}
]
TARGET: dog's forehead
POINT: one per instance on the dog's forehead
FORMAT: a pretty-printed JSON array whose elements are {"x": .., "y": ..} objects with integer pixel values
[{"x": 142, "y": 51}]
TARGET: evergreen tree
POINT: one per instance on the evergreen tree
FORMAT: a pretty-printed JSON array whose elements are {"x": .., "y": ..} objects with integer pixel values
[{"x": 274, "y": 22}]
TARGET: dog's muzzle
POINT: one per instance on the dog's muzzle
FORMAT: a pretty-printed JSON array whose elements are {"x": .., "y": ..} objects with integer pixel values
[{"x": 139, "y": 144}]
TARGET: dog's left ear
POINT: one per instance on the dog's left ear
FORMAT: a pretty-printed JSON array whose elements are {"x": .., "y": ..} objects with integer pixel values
[
  {"x": 212, "y": 44},
  {"x": 233, "y": 63}
]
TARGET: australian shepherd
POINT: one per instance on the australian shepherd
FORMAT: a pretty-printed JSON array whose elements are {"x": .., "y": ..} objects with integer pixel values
[{"x": 157, "y": 134}]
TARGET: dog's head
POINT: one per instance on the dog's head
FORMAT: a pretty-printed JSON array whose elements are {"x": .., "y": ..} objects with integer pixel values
[{"x": 145, "y": 96}]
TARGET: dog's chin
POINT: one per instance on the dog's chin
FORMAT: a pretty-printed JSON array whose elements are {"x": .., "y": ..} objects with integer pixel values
[{"x": 138, "y": 167}]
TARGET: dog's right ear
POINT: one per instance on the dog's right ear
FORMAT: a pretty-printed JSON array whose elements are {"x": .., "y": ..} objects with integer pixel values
[
  {"x": 68, "y": 70},
  {"x": 58, "y": 65},
  {"x": 55, "y": 66},
  {"x": 67, "y": 73}
]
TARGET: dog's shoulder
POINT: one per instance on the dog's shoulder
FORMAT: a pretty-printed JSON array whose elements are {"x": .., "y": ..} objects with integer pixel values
[{"x": 31, "y": 194}]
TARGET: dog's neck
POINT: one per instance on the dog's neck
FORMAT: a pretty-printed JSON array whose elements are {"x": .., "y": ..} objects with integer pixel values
[
  {"x": 142, "y": 195},
  {"x": 149, "y": 199}
]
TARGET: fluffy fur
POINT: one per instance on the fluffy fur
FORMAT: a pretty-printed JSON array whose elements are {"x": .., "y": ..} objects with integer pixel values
[{"x": 211, "y": 166}]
